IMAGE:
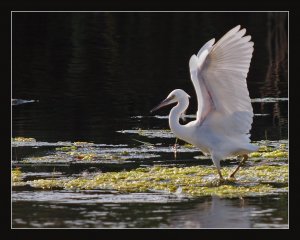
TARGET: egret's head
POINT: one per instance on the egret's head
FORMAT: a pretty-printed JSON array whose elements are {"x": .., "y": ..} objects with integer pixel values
[{"x": 175, "y": 96}]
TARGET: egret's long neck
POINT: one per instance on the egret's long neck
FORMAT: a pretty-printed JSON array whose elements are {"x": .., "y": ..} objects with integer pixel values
[{"x": 178, "y": 129}]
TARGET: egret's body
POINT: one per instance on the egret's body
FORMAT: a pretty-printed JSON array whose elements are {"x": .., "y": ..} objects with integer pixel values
[{"x": 225, "y": 114}]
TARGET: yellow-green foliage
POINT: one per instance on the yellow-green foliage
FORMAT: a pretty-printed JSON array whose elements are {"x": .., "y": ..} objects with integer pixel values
[
  {"x": 196, "y": 180},
  {"x": 92, "y": 156},
  {"x": 16, "y": 175},
  {"x": 66, "y": 149},
  {"x": 187, "y": 145},
  {"x": 23, "y": 139},
  {"x": 270, "y": 152},
  {"x": 82, "y": 156}
]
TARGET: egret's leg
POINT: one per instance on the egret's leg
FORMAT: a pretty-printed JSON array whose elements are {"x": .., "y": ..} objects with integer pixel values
[
  {"x": 238, "y": 167},
  {"x": 175, "y": 148},
  {"x": 220, "y": 174},
  {"x": 216, "y": 161}
]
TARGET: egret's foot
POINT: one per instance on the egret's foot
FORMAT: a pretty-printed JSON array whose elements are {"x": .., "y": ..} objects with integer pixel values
[
  {"x": 220, "y": 182},
  {"x": 216, "y": 182},
  {"x": 231, "y": 177}
]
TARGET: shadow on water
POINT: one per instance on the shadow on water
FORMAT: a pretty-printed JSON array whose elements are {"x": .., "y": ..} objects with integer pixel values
[{"x": 93, "y": 77}]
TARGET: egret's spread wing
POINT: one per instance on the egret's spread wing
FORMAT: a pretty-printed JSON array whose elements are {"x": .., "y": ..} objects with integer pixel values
[
  {"x": 204, "y": 99},
  {"x": 220, "y": 79}
]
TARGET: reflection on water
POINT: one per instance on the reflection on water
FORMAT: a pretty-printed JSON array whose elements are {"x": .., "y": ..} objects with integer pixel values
[
  {"x": 91, "y": 74},
  {"x": 147, "y": 211},
  {"x": 276, "y": 75}
]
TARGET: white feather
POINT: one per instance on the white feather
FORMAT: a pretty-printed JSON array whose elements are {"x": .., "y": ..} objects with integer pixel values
[
  {"x": 220, "y": 83},
  {"x": 225, "y": 114}
]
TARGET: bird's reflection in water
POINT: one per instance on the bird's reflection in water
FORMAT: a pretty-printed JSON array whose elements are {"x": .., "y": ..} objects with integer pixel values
[{"x": 216, "y": 212}]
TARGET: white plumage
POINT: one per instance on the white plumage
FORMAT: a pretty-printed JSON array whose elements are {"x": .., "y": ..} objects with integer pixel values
[{"x": 225, "y": 114}]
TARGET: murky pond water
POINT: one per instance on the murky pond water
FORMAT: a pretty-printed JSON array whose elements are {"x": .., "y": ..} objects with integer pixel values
[{"x": 86, "y": 153}]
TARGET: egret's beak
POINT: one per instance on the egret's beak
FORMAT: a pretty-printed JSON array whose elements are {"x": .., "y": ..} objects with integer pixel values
[{"x": 165, "y": 102}]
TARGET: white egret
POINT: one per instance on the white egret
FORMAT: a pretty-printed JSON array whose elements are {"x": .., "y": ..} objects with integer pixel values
[{"x": 225, "y": 114}]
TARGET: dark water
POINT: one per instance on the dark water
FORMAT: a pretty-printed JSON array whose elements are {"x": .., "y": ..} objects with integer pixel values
[
  {"x": 208, "y": 212},
  {"x": 91, "y": 73}
]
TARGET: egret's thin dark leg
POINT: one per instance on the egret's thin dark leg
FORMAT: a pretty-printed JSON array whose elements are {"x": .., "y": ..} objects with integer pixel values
[
  {"x": 216, "y": 161},
  {"x": 238, "y": 167},
  {"x": 220, "y": 174},
  {"x": 175, "y": 148}
]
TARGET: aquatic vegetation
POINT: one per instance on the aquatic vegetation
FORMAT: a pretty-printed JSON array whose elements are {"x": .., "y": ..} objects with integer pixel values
[
  {"x": 187, "y": 145},
  {"x": 145, "y": 143},
  {"x": 265, "y": 149},
  {"x": 273, "y": 154},
  {"x": 255, "y": 154},
  {"x": 53, "y": 158},
  {"x": 23, "y": 139},
  {"x": 81, "y": 143},
  {"x": 194, "y": 181},
  {"x": 276, "y": 154},
  {"x": 153, "y": 133},
  {"x": 265, "y": 173},
  {"x": 92, "y": 154},
  {"x": 66, "y": 149},
  {"x": 280, "y": 151},
  {"x": 31, "y": 142},
  {"x": 16, "y": 175},
  {"x": 82, "y": 156},
  {"x": 201, "y": 180},
  {"x": 125, "y": 153}
]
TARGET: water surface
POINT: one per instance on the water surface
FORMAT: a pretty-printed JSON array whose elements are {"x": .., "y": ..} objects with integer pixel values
[{"x": 93, "y": 77}]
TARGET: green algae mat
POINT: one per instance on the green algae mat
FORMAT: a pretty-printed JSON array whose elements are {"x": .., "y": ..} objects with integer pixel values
[{"x": 266, "y": 172}]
